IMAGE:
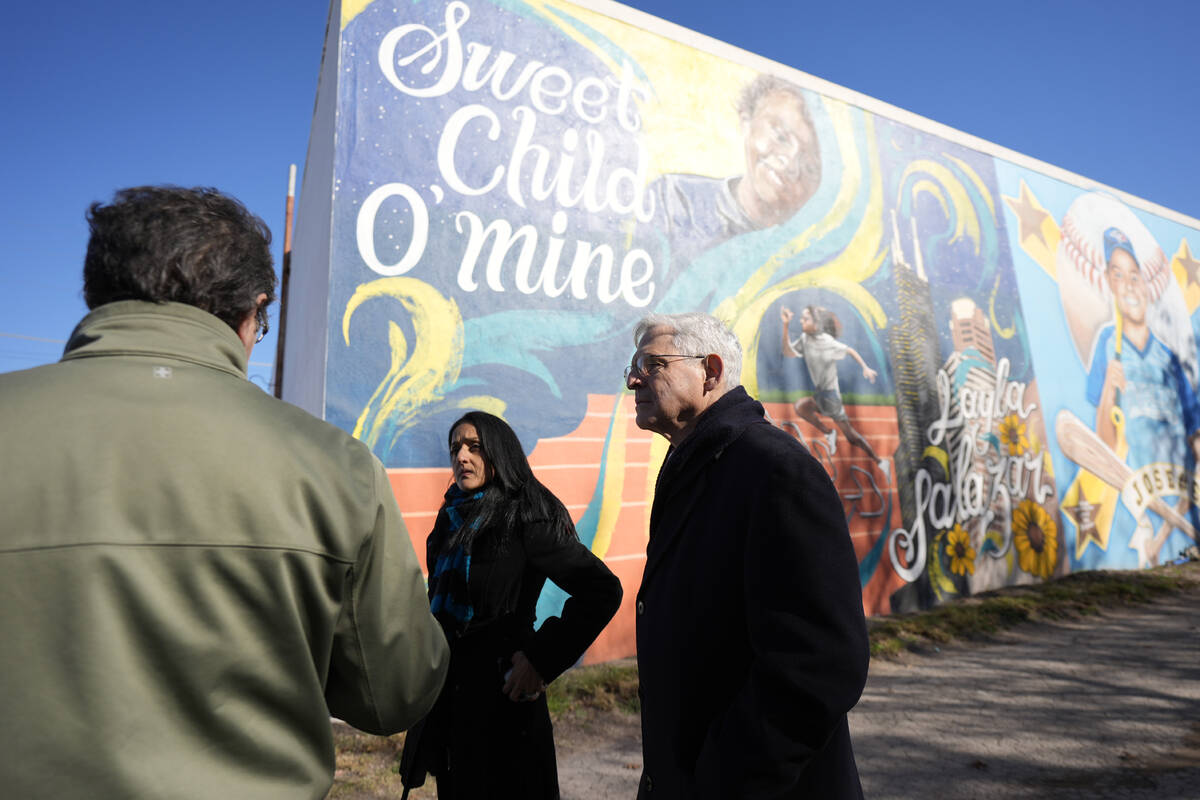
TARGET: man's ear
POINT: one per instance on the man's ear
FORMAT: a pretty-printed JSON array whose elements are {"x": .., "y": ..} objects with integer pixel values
[
  {"x": 714, "y": 372},
  {"x": 248, "y": 330}
]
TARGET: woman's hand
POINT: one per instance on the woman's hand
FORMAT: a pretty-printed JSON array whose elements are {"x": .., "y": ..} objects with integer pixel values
[{"x": 523, "y": 683}]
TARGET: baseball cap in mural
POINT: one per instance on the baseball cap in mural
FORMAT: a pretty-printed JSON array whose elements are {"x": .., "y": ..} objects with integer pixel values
[{"x": 1115, "y": 239}]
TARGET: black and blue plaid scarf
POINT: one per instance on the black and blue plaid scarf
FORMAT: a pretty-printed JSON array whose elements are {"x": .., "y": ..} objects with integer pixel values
[{"x": 449, "y": 598}]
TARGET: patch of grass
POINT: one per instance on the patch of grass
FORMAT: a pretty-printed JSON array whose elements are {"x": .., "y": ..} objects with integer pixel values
[
  {"x": 1077, "y": 595},
  {"x": 602, "y": 687},
  {"x": 367, "y": 766}
]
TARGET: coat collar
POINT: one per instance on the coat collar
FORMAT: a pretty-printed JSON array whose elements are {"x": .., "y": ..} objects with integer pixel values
[
  {"x": 716, "y": 429},
  {"x": 680, "y": 485},
  {"x": 158, "y": 330}
]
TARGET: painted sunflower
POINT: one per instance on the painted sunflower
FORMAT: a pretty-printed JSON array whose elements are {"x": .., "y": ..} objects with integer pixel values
[
  {"x": 1035, "y": 535},
  {"x": 958, "y": 547},
  {"x": 1012, "y": 433}
]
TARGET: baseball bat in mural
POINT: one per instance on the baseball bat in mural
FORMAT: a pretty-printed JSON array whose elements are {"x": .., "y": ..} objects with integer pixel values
[
  {"x": 1081, "y": 444},
  {"x": 498, "y": 190}
]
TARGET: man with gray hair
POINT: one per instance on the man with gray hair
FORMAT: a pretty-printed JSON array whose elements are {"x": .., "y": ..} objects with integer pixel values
[{"x": 751, "y": 641}]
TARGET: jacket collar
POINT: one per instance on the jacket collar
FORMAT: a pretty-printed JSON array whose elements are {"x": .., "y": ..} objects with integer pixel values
[
  {"x": 158, "y": 330},
  {"x": 717, "y": 428}
]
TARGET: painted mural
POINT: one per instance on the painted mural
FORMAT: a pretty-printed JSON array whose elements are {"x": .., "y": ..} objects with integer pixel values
[
  {"x": 1116, "y": 319},
  {"x": 517, "y": 182}
]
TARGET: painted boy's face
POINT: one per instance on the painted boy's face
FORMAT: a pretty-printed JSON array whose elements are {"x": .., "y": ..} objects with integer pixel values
[
  {"x": 781, "y": 154},
  {"x": 1128, "y": 286}
]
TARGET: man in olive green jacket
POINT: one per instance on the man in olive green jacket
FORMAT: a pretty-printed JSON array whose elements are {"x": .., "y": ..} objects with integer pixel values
[{"x": 193, "y": 575}]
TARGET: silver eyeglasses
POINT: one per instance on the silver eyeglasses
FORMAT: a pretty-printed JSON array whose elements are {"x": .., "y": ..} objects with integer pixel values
[
  {"x": 261, "y": 323},
  {"x": 646, "y": 364}
]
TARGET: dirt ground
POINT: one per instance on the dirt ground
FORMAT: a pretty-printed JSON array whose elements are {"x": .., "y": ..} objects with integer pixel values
[{"x": 1103, "y": 708}]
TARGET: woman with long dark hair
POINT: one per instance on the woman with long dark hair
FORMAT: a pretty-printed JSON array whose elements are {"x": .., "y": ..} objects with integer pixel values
[{"x": 499, "y": 535}]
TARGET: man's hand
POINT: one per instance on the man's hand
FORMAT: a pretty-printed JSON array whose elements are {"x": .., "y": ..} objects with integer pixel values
[
  {"x": 785, "y": 314},
  {"x": 523, "y": 683},
  {"x": 869, "y": 373}
]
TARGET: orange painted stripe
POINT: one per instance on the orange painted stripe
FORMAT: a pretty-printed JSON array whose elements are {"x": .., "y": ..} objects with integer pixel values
[{"x": 570, "y": 467}]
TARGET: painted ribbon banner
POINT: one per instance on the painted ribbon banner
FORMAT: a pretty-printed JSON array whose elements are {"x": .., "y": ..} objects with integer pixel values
[{"x": 498, "y": 190}]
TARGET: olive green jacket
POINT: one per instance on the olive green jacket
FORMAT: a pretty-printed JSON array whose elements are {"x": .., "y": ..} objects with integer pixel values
[{"x": 193, "y": 575}]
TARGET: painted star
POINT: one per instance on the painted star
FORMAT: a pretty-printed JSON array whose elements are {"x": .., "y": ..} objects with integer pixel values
[
  {"x": 1190, "y": 265},
  {"x": 1083, "y": 514},
  {"x": 1029, "y": 215}
]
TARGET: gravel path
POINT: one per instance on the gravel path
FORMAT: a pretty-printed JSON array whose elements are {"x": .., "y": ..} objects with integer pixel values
[
  {"x": 1102, "y": 708},
  {"x": 1106, "y": 707}
]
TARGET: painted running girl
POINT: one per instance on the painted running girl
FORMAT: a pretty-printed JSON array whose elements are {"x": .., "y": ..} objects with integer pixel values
[{"x": 819, "y": 347}]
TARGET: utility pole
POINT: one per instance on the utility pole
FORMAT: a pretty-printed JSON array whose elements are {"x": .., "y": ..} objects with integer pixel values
[{"x": 285, "y": 279}]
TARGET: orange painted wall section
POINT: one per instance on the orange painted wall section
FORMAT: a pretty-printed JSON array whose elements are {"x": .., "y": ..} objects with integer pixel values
[{"x": 570, "y": 465}]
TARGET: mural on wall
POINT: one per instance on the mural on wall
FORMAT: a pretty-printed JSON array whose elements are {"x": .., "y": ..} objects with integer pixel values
[
  {"x": 1117, "y": 319},
  {"x": 517, "y": 182},
  {"x": 945, "y": 393}
]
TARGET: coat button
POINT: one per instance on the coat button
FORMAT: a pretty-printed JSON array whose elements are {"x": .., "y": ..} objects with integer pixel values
[{"x": 641, "y": 607}]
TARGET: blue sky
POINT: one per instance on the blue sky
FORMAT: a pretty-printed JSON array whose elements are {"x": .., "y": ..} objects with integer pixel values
[{"x": 220, "y": 93}]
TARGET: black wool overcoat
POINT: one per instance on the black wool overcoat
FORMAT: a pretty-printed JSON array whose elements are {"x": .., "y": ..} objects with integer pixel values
[
  {"x": 752, "y": 645},
  {"x": 477, "y": 741}
]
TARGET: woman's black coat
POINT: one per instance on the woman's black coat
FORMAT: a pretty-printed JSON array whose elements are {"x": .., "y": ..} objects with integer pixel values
[
  {"x": 489, "y": 745},
  {"x": 752, "y": 645}
]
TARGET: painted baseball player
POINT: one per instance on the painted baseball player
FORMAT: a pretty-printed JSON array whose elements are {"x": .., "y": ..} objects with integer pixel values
[{"x": 1136, "y": 382}]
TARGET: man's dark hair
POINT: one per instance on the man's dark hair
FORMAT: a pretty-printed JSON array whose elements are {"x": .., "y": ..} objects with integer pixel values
[
  {"x": 513, "y": 497},
  {"x": 170, "y": 244}
]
